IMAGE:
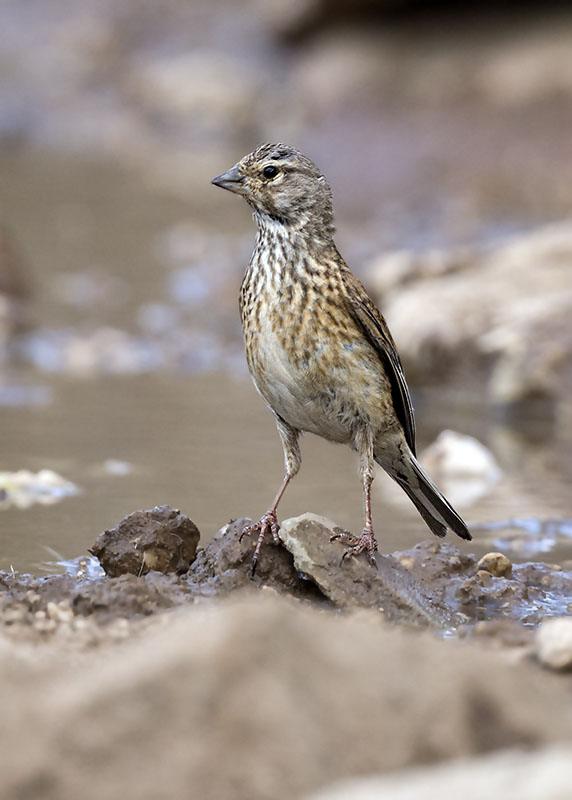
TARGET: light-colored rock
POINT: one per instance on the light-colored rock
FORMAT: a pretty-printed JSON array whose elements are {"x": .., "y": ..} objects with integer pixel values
[
  {"x": 553, "y": 643},
  {"x": 462, "y": 467},
  {"x": 504, "y": 318},
  {"x": 495, "y": 563},
  {"x": 388, "y": 587},
  {"x": 542, "y": 775}
]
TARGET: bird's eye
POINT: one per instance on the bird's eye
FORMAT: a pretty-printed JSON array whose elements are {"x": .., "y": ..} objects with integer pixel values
[{"x": 270, "y": 172}]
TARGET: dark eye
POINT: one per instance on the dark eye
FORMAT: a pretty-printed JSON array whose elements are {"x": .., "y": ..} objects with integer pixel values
[{"x": 270, "y": 172}]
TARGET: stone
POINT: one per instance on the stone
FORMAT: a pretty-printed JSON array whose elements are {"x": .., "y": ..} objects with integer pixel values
[
  {"x": 502, "y": 319},
  {"x": 225, "y": 565},
  {"x": 388, "y": 587},
  {"x": 513, "y": 775},
  {"x": 161, "y": 539},
  {"x": 553, "y": 643},
  {"x": 464, "y": 468},
  {"x": 495, "y": 563}
]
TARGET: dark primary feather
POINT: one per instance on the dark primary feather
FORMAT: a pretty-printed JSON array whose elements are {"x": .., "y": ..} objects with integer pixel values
[{"x": 375, "y": 329}]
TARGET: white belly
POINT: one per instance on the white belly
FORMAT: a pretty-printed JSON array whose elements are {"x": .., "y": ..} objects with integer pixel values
[{"x": 311, "y": 398}]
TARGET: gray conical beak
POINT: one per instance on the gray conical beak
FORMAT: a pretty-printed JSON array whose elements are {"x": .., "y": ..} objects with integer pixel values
[{"x": 232, "y": 179}]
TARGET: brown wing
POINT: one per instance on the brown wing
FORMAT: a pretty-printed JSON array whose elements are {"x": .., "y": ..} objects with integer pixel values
[{"x": 375, "y": 329}]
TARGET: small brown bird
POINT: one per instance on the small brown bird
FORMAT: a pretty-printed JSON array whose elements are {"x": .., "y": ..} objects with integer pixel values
[{"x": 318, "y": 350}]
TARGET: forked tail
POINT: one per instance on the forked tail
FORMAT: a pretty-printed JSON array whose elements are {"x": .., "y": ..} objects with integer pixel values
[{"x": 435, "y": 509}]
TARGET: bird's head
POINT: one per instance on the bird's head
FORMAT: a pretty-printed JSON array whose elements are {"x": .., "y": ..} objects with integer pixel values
[{"x": 283, "y": 187}]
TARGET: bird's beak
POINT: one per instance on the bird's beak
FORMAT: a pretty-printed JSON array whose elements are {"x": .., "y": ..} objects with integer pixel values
[{"x": 232, "y": 179}]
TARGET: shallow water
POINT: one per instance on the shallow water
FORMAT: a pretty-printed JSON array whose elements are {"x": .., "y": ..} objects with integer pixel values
[{"x": 167, "y": 413}]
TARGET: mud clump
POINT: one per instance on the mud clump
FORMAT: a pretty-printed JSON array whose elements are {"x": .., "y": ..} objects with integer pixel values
[
  {"x": 161, "y": 540},
  {"x": 225, "y": 564}
]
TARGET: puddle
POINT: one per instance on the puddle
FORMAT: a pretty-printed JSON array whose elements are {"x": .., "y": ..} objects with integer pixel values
[{"x": 527, "y": 537}]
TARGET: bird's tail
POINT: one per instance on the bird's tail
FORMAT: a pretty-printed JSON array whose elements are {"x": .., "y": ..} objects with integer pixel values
[{"x": 435, "y": 509}]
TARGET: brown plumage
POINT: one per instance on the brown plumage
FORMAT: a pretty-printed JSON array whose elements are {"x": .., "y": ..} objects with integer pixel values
[{"x": 319, "y": 351}]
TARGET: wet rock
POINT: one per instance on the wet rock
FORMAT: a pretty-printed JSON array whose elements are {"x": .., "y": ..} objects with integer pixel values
[
  {"x": 495, "y": 563},
  {"x": 553, "y": 643},
  {"x": 528, "y": 594},
  {"x": 263, "y": 680},
  {"x": 432, "y": 584},
  {"x": 162, "y": 540},
  {"x": 226, "y": 565},
  {"x": 388, "y": 587},
  {"x": 511, "y": 775},
  {"x": 502, "y": 319},
  {"x": 462, "y": 466}
]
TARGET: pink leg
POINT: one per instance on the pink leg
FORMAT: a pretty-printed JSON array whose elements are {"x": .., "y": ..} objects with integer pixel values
[
  {"x": 365, "y": 543},
  {"x": 268, "y": 523}
]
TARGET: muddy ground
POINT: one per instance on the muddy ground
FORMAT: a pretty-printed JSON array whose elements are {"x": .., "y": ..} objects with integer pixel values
[{"x": 216, "y": 683}]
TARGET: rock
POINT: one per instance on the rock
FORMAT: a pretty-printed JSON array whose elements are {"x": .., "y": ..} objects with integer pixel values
[
  {"x": 226, "y": 565},
  {"x": 433, "y": 584},
  {"x": 512, "y": 775},
  {"x": 162, "y": 540},
  {"x": 262, "y": 697},
  {"x": 463, "y": 467},
  {"x": 495, "y": 563},
  {"x": 553, "y": 643},
  {"x": 503, "y": 320},
  {"x": 390, "y": 587}
]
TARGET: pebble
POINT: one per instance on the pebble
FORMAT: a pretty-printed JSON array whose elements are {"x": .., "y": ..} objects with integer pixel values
[
  {"x": 496, "y": 564},
  {"x": 553, "y": 643}
]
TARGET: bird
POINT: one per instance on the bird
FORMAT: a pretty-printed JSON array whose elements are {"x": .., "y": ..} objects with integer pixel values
[{"x": 319, "y": 351}]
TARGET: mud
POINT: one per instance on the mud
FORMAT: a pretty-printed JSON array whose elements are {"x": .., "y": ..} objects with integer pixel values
[
  {"x": 433, "y": 585},
  {"x": 159, "y": 540},
  {"x": 260, "y": 697}
]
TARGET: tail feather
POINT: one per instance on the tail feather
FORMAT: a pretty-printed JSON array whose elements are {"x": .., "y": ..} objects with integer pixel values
[{"x": 435, "y": 509}]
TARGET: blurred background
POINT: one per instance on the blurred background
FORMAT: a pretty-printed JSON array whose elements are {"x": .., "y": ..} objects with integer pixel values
[{"x": 445, "y": 135}]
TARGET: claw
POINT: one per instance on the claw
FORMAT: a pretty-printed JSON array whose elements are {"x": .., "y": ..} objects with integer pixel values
[
  {"x": 266, "y": 524},
  {"x": 365, "y": 543}
]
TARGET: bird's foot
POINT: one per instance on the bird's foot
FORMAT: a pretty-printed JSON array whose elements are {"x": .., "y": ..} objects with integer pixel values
[
  {"x": 365, "y": 543},
  {"x": 267, "y": 523}
]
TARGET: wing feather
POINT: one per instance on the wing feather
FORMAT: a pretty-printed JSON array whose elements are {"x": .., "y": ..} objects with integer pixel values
[{"x": 375, "y": 329}]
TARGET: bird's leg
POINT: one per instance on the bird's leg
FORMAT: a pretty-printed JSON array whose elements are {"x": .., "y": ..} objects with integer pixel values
[
  {"x": 365, "y": 543},
  {"x": 268, "y": 522}
]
